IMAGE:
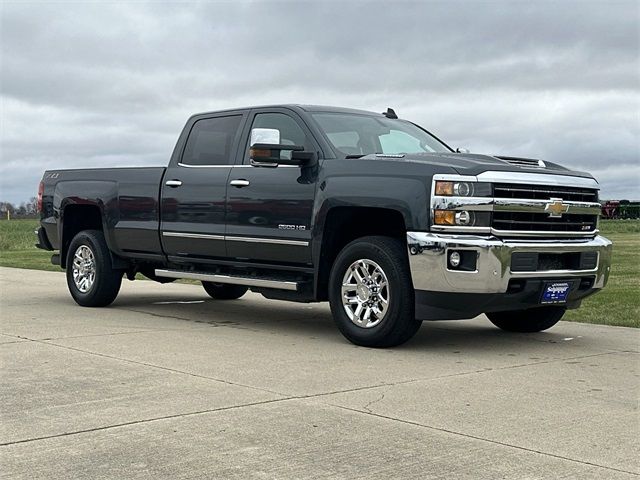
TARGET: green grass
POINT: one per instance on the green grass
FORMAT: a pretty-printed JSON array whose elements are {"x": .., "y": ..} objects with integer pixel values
[
  {"x": 617, "y": 304},
  {"x": 17, "y": 246},
  {"x": 619, "y": 301}
]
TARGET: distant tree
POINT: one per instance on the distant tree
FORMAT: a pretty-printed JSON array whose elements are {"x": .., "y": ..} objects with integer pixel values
[
  {"x": 32, "y": 207},
  {"x": 7, "y": 207}
]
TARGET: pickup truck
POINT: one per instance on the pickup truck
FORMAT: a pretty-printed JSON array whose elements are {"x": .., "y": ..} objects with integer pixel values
[{"x": 310, "y": 203}]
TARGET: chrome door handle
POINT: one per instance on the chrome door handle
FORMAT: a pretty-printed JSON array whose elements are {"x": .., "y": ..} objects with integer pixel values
[
  {"x": 239, "y": 183},
  {"x": 173, "y": 183}
]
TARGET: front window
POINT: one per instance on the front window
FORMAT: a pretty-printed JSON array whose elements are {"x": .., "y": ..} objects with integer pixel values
[
  {"x": 354, "y": 134},
  {"x": 290, "y": 132}
]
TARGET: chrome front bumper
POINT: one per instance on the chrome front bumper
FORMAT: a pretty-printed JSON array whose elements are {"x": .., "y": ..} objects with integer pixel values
[{"x": 428, "y": 254}]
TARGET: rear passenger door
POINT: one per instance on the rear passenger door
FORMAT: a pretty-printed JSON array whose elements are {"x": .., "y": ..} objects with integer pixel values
[
  {"x": 269, "y": 209},
  {"x": 194, "y": 188}
]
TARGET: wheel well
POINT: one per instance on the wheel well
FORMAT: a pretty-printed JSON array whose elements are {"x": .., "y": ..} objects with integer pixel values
[
  {"x": 345, "y": 224},
  {"x": 75, "y": 219}
]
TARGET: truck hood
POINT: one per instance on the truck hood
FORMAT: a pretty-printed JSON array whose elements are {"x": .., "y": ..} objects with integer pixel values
[{"x": 474, "y": 164}]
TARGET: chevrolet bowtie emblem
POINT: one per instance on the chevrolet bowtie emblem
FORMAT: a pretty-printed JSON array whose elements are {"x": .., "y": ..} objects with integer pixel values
[{"x": 556, "y": 208}]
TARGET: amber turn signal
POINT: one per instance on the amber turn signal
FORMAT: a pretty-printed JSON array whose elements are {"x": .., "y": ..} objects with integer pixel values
[
  {"x": 444, "y": 188},
  {"x": 259, "y": 153},
  {"x": 444, "y": 217}
]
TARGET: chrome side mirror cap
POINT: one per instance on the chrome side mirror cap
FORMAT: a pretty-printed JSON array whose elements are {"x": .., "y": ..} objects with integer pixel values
[
  {"x": 463, "y": 150},
  {"x": 270, "y": 136}
]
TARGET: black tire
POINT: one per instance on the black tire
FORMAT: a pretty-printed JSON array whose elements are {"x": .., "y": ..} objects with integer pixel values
[
  {"x": 106, "y": 284},
  {"x": 527, "y": 321},
  {"x": 224, "y": 291},
  {"x": 398, "y": 324}
]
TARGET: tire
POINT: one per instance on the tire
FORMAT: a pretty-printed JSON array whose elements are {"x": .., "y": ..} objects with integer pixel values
[
  {"x": 224, "y": 291},
  {"x": 383, "y": 328},
  {"x": 101, "y": 288},
  {"x": 527, "y": 321}
]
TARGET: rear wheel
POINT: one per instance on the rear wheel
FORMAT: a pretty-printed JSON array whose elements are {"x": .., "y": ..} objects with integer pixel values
[
  {"x": 371, "y": 293},
  {"x": 224, "y": 291},
  {"x": 527, "y": 321},
  {"x": 91, "y": 279}
]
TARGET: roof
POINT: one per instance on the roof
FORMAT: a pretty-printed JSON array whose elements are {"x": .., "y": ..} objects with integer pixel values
[{"x": 306, "y": 108}]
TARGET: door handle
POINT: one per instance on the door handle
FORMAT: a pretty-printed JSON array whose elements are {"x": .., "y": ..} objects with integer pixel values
[
  {"x": 241, "y": 182},
  {"x": 173, "y": 183}
]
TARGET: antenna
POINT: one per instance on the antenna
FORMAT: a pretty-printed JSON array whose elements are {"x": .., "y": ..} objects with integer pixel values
[{"x": 390, "y": 113}]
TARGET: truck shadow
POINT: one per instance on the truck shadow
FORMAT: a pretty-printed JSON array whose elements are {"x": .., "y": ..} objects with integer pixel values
[{"x": 314, "y": 321}]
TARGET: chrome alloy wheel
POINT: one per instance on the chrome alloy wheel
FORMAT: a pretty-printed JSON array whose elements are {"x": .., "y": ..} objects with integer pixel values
[
  {"x": 84, "y": 268},
  {"x": 365, "y": 293}
]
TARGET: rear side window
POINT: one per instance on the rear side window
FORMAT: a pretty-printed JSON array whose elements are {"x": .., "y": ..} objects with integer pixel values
[{"x": 210, "y": 141}]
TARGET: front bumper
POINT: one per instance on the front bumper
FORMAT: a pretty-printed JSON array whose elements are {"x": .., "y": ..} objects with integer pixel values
[{"x": 430, "y": 270}]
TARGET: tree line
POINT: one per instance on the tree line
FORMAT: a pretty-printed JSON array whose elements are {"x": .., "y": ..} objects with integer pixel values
[{"x": 28, "y": 209}]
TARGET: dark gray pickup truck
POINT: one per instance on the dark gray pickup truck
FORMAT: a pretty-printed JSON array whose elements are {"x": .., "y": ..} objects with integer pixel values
[{"x": 365, "y": 210}]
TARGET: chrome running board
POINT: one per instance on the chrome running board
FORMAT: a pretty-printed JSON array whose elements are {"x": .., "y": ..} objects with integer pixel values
[{"x": 235, "y": 280}]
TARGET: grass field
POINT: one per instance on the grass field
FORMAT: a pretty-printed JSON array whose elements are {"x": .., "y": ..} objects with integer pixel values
[{"x": 617, "y": 304}]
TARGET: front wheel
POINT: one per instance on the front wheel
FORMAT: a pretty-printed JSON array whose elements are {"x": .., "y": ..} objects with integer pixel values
[
  {"x": 527, "y": 321},
  {"x": 91, "y": 278},
  {"x": 371, "y": 293},
  {"x": 224, "y": 291}
]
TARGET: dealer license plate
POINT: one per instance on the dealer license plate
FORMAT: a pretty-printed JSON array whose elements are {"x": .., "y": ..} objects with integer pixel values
[{"x": 555, "y": 292}]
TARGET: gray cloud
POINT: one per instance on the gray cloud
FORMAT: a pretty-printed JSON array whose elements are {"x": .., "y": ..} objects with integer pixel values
[{"x": 88, "y": 84}]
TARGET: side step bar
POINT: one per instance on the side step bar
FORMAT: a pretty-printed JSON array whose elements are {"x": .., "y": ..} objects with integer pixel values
[{"x": 248, "y": 281}]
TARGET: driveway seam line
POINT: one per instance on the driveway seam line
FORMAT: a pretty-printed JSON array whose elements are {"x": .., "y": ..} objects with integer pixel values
[
  {"x": 135, "y": 362},
  {"x": 145, "y": 420},
  {"x": 319, "y": 394},
  {"x": 466, "y": 435}
]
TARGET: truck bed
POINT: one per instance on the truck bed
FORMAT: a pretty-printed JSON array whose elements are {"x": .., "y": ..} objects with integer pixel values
[{"x": 128, "y": 199}]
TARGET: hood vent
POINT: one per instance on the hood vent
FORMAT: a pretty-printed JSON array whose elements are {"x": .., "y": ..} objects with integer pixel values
[{"x": 524, "y": 162}]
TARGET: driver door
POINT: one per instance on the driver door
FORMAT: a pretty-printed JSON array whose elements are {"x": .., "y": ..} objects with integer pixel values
[{"x": 269, "y": 208}]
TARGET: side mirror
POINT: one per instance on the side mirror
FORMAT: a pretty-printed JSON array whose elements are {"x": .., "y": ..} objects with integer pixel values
[
  {"x": 463, "y": 150},
  {"x": 265, "y": 154},
  {"x": 266, "y": 148}
]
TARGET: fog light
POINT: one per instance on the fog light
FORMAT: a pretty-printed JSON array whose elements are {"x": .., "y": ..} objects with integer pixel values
[{"x": 454, "y": 259}]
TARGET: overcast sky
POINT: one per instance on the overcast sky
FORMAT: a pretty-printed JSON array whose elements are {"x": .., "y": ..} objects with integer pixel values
[{"x": 92, "y": 84}]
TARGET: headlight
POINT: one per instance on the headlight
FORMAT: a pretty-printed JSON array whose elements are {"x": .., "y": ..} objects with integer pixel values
[
  {"x": 451, "y": 217},
  {"x": 460, "y": 203},
  {"x": 459, "y": 189},
  {"x": 464, "y": 218},
  {"x": 462, "y": 189},
  {"x": 461, "y": 218}
]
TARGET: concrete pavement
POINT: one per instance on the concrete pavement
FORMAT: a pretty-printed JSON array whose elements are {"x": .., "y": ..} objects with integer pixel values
[{"x": 168, "y": 383}]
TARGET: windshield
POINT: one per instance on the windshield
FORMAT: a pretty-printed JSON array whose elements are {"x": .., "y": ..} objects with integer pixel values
[{"x": 356, "y": 135}]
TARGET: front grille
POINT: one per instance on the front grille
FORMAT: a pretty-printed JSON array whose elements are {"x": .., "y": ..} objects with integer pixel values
[
  {"x": 541, "y": 222},
  {"x": 544, "y": 192},
  {"x": 531, "y": 210}
]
